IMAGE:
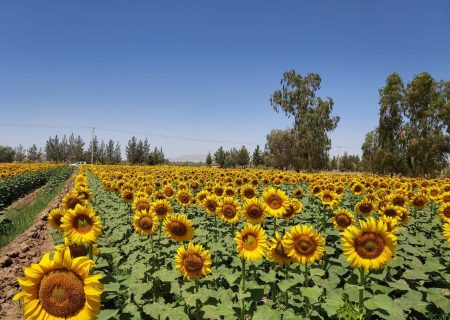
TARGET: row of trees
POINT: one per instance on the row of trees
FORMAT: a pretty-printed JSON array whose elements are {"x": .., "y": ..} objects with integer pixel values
[
  {"x": 139, "y": 152},
  {"x": 235, "y": 158},
  {"x": 412, "y": 136}
]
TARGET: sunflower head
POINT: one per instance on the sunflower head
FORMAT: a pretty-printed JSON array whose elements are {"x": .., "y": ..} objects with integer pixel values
[
  {"x": 81, "y": 225},
  {"x": 141, "y": 202},
  {"x": 444, "y": 212},
  {"x": 210, "y": 203},
  {"x": 60, "y": 288},
  {"x": 276, "y": 202},
  {"x": 365, "y": 207},
  {"x": 446, "y": 231},
  {"x": 304, "y": 244},
  {"x": 343, "y": 218},
  {"x": 228, "y": 210},
  {"x": 161, "y": 208},
  {"x": 127, "y": 195},
  {"x": 253, "y": 211},
  {"x": 248, "y": 191},
  {"x": 277, "y": 252},
  {"x": 178, "y": 227},
  {"x": 70, "y": 201},
  {"x": 251, "y": 242},
  {"x": 293, "y": 209},
  {"x": 371, "y": 246},
  {"x": 54, "y": 218},
  {"x": 184, "y": 198},
  {"x": 145, "y": 222},
  {"x": 193, "y": 262}
]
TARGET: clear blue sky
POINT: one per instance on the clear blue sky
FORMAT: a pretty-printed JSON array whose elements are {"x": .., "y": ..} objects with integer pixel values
[{"x": 205, "y": 69}]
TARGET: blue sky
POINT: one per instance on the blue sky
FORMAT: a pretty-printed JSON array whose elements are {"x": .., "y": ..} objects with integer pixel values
[{"x": 204, "y": 69}]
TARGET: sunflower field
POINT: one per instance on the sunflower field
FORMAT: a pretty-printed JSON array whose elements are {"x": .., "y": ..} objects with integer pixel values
[{"x": 159, "y": 242}]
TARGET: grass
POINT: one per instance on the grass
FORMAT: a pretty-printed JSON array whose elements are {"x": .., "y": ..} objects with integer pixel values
[{"x": 23, "y": 216}]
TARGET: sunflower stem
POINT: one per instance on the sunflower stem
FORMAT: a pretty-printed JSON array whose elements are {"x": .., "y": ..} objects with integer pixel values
[
  {"x": 361, "y": 291},
  {"x": 286, "y": 276},
  {"x": 274, "y": 226},
  {"x": 91, "y": 252},
  {"x": 306, "y": 285},
  {"x": 243, "y": 290}
]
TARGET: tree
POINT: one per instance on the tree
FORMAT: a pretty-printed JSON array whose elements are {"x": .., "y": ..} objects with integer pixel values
[
  {"x": 7, "y": 154},
  {"x": 208, "y": 159},
  {"x": 312, "y": 118},
  {"x": 243, "y": 157},
  {"x": 257, "y": 158},
  {"x": 75, "y": 148},
  {"x": 52, "y": 149},
  {"x": 279, "y": 149},
  {"x": 20, "y": 154},
  {"x": 33, "y": 154},
  {"x": 117, "y": 153},
  {"x": 131, "y": 150},
  {"x": 220, "y": 157}
]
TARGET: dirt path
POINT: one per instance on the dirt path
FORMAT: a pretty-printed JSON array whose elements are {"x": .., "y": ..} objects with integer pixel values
[{"x": 27, "y": 248}]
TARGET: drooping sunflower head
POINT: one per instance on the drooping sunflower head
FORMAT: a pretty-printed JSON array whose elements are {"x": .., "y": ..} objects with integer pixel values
[
  {"x": 304, "y": 244},
  {"x": 54, "y": 218},
  {"x": 343, "y": 218},
  {"x": 253, "y": 210},
  {"x": 277, "y": 252},
  {"x": 210, "y": 203},
  {"x": 60, "y": 288},
  {"x": 391, "y": 223},
  {"x": 141, "y": 202},
  {"x": 127, "y": 195},
  {"x": 365, "y": 207},
  {"x": 178, "y": 227},
  {"x": 444, "y": 212},
  {"x": 276, "y": 201},
  {"x": 161, "y": 208},
  {"x": 184, "y": 198},
  {"x": 77, "y": 250},
  {"x": 371, "y": 246},
  {"x": 251, "y": 242},
  {"x": 293, "y": 209},
  {"x": 193, "y": 262},
  {"x": 248, "y": 191},
  {"x": 228, "y": 210},
  {"x": 81, "y": 225},
  {"x": 70, "y": 201},
  {"x": 145, "y": 222}
]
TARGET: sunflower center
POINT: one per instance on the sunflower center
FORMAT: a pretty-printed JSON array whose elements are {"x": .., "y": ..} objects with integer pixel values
[
  {"x": 343, "y": 220},
  {"x": 250, "y": 242},
  {"x": 72, "y": 202},
  {"x": 365, "y": 208},
  {"x": 398, "y": 201},
  {"x": 249, "y": 193},
  {"x": 275, "y": 202},
  {"x": 357, "y": 189},
  {"x": 304, "y": 245},
  {"x": 446, "y": 212},
  {"x": 83, "y": 223},
  {"x": 279, "y": 250},
  {"x": 160, "y": 210},
  {"x": 193, "y": 263},
  {"x": 146, "y": 223},
  {"x": 128, "y": 195},
  {"x": 369, "y": 245},
  {"x": 390, "y": 213},
  {"x": 61, "y": 293},
  {"x": 218, "y": 192},
  {"x": 289, "y": 212},
  {"x": 327, "y": 198},
  {"x": 254, "y": 212},
  {"x": 434, "y": 192},
  {"x": 142, "y": 206},
  {"x": 78, "y": 250},
  {"x": 178, "y": 228},
  {"x": 419, "y": 201},
  {"x": 168, "y": 192},
  {"x": 58, "y": 219},
  {"x": 229, "y": 211},
  {"x": 184, "y": 198},
  {"x": 211, "y": 205}
]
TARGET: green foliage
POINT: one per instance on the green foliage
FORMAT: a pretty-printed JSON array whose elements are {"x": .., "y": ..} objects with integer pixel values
[{"x": 7, "y": 154}]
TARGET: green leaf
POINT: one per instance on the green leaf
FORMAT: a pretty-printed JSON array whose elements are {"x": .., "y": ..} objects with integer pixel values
[
  {"x": 154, "y": 309},
  {"x": 312, "y": 293},
  {"x": 176, "y": 313},
  {"x": 286, "y": 284},
  {"x": 439, "y": 299},
  {"x": 166, "y": 275},
  {"x": 415, "y": 275},
  {"x": 265, "y": 312},
  {"x": 411, "y": 300},
  {"x": 332, "y": 303},
  {"x": 106, "y": 314},
  {"x": 400, "y": 285},
  {"x": 384, "y": 303}
]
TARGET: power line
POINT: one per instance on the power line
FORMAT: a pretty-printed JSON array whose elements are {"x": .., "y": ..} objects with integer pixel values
[{"x": 22, "y": 125}]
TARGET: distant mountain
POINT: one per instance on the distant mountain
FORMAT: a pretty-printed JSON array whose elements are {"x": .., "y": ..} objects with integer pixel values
[{"x": 190, "y": 157}]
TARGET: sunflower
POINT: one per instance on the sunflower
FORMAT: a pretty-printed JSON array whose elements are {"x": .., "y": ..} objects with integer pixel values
[
  {"x": 60, "y": 288},
  {"x": 433, "y": 192},
  {"x": 329, "y": 198},
  {"x": 419, "y": 201},
  {"x": 83, "y": 192},
  {"x": 392, "y": 211},
  {"x": 364, "y": 207},
  {"x": 357, "y": 189},
  {"x": 228, "y": 210},
  {"x": 276, "y": 202},
  {"x": 248, "y": 191},
  {"x": 251, "y": 242},
  {"x": 54, "y": 218},
  {"x": 444, "y": 212},
  {"x": 194, "y": 262},
  {"x": 168, "y": 192},
  {"x": 127, "y": 195},
  {"x": 277, "y": 252},
  {"x": 141, "y": 202},
  {"x": 218, "y": 190},
  {"x": 304, "y": 244},
  {"x": 178, "y": 227},
  {"x": 70, "y": 201},
  {"x": 161, "y": 208},
  {"x": 81, "y": 225},
  {"x": 343, "y": 218},
  {"x": 229, "y": 191},
  {"x": 371, "y": 246},
  {"x": 210, "y": 203},
  {"x": 298, "y": 193},
  {"x": 253, "y": 211},
  {"x": 445, "y": 197},
  {"x": 293, "y": 209},
  {"x": 446, "y": 231},
  {"x": 391, "y": 223},
  {"x": 184, "y": 198},
  {"x": 145, "y": 222},
  {"x": 77, "y": 250},
  {"x": 398, "y": 199}
]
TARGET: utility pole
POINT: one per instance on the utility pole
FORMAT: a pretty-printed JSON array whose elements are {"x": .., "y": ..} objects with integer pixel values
[{"x": 92, "y": 144}]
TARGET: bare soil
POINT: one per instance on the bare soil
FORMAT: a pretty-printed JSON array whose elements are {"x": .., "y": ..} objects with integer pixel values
[{"x": 26, "y": 249}]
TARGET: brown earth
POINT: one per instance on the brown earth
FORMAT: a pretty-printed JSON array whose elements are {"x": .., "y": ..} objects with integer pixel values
[{"x": 26, "y": 249}]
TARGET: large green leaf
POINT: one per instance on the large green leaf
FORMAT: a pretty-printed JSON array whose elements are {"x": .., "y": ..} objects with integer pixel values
[
  {"x": 384, "y": 304},
  {"x": 440, "y": 298},
  {"x": 265, "y": 312}
]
